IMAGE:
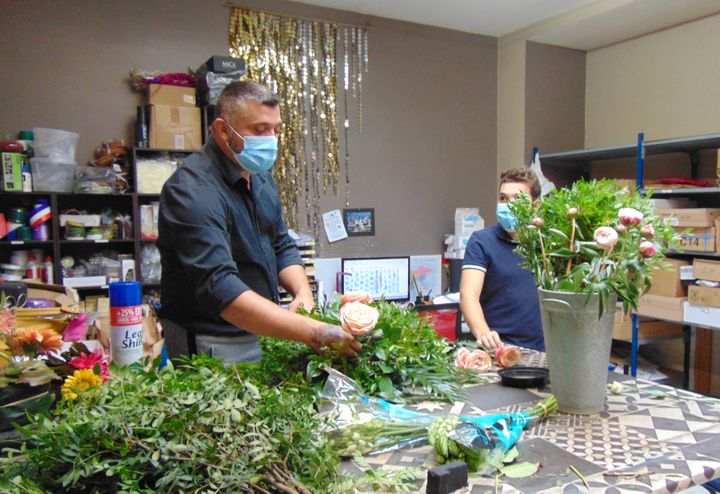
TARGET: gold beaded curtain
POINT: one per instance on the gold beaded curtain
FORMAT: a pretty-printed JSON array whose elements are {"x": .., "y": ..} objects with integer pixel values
[{"x": 297, "y": 58}]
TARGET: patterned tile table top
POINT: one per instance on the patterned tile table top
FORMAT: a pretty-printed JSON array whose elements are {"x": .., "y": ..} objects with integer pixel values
[{"x": 649, "y": 438}]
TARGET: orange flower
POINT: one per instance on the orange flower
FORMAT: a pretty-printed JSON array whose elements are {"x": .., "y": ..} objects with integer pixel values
[{"x": 35, "y": 340}]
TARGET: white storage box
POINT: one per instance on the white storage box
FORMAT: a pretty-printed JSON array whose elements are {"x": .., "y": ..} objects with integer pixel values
[{"x": 701, "y": 315}]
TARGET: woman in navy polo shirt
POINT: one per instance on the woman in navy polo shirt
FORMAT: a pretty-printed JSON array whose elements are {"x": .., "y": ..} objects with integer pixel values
[{"x": 498, "y": 297}]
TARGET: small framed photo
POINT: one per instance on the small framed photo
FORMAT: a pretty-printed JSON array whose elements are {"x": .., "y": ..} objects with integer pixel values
[{"x": 359, "y": 222}]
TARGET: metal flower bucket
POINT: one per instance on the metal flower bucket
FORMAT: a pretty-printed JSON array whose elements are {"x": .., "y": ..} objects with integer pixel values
[{"x": 577, "y": 345}]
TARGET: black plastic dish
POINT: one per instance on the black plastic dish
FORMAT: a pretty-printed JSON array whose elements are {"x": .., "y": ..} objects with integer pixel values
[{"x": 524, "y": 377}]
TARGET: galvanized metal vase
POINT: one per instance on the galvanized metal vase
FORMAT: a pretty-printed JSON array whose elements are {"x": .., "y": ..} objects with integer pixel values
[{"x": 577, "y": 345}]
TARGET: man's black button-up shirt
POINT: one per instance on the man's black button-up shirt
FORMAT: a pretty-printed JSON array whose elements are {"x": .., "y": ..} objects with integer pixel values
[{"x": 218, "y": 238}]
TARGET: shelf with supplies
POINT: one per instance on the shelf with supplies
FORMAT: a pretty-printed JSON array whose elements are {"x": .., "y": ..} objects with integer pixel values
[
  {"x": 699, "y": 238},
  {"x": 66, "y": 249}
]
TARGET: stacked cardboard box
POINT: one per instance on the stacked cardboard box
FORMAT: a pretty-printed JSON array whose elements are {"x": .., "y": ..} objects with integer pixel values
[
  {"x": 174, "y": 118},
  {"x": 703, "y": 306},
  {"x": 697, "y": 229}
]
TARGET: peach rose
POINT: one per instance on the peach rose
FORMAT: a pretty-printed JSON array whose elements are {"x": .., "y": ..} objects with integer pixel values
[
  {"x": 478, "y": 360},
  {"x": 357, "y": 318},
  {"x": 507, "y": 356},
  {"x": 359, "y": 296}
]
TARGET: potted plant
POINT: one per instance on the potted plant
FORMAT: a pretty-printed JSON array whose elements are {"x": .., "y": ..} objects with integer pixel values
[{"x": 588, "y": 246}]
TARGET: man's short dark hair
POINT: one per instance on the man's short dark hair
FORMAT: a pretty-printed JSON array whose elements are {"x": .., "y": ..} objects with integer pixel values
[
  {"x": 524, "y": 176},
  {"x": 237, "y": 93}
]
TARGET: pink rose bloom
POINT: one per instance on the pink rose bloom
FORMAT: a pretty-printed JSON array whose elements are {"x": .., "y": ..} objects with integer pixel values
[
  {"x": 357, "y": 318},
  {"x": 478, "y": 360},
  {"x": 606, "y": 237},
  {"x": 630, "y": 216},
  {"x": 90, "y": 360},
  {"x": 648, "y": 231},
  {"x": 359, "y": 296},
  {"x": 507, "y": 356},
  {"x": 647, "y": 248}
]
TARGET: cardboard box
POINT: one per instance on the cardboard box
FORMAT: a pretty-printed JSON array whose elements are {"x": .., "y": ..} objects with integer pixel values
[
  {"x": 12, "y": 171},
  {"x": 691, "y": 217},
  {"x": 175, "y": 127},
  {"x": 705, "y": 269},
  {"x": 622, "y": 328},
  {"x": 696, "y": 239},
  {"x": 667, "y": 282},
  {"x": 668, "y": 308},
  {"x": 701, "y": 315},
  {"x": 162, "y": 94},
  {"x": 704, "y": 295}
]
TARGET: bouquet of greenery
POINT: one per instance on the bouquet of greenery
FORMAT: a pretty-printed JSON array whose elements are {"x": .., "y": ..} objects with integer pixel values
[
  {"x": 365, "y": 425},
  {"x": 403, "y": 359},
  {"x": 593, "y": 237}
]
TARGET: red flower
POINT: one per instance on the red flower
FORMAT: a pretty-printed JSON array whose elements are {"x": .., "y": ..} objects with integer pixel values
[
  {"x": 90, "y": 360},
  {"x": 507, "y": 356}
]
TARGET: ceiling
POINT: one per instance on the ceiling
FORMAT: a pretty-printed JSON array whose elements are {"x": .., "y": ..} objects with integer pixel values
[{"x": 580, "y": 24}]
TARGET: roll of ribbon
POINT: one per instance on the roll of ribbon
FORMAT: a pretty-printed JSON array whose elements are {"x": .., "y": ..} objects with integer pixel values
[{"x": 40, "y": 213}]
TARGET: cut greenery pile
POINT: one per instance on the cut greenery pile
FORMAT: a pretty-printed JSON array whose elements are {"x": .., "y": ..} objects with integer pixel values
[
  {"x": 402, "y": 359},
  {"x": 199, "y": 427}
]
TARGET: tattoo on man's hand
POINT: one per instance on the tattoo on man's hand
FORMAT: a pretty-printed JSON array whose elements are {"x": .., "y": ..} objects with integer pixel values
[{"x": 326, "y": 335}]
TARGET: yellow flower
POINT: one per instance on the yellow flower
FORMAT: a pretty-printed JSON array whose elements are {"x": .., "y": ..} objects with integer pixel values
[{"x": 79, "y": 382}]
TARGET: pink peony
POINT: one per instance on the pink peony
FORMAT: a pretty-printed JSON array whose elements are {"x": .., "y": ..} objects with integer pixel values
[
  {"x": 357, "y": 318},
  {"x": 90, "y": 360},
  {"x": 647, "y": 248},
  {"x": 507, "y": 356},
  {"x": 359, "y": 296},
  {"x": 572, "y": 212},
  {"x": 647, "y": 231},
  {"x": 606, "y": 237},
  {"x": 478, "y": 360},
  {"x": 630, "y": 216}
]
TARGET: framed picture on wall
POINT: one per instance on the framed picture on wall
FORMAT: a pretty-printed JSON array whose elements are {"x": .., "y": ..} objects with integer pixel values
[{"x": 359, "y": 222}]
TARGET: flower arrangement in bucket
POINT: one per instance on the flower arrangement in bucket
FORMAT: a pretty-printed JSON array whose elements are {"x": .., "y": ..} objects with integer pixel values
[
  {"x": 593, "y": 237},
  {"x": 587, "y": 245}
]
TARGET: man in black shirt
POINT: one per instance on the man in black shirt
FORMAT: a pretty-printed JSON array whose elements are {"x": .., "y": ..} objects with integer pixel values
[{"x": 224, "y": 245}]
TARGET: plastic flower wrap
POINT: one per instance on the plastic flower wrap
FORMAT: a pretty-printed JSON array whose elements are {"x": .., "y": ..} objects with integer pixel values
[
  {"x": 363, "y": 425},
  {"x": 592, "y": 237}
]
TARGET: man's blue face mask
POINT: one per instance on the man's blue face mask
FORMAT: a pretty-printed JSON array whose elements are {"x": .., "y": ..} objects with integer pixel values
[
  {"x": 258, "y": 154},
  {"x": 505, "y": 217}
]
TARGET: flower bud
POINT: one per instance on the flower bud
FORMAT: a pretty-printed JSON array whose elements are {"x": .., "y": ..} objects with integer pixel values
[
  {"x": 538, "y": 222},
  {"x": 648, "y": 231},
  {"x": 621, "y": 228},
  {"x": 630, "y": 216},
  {"x": 572, "y": 212},
  {"x": 647, "y": 248}
]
